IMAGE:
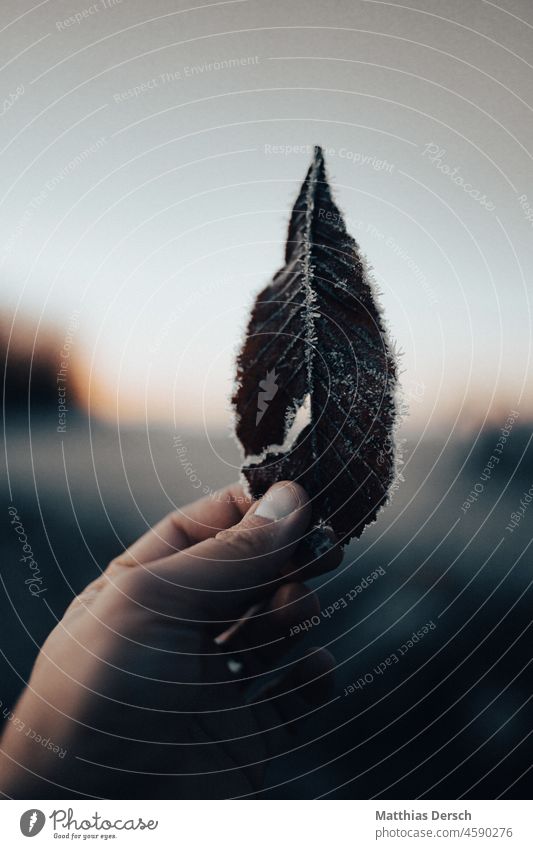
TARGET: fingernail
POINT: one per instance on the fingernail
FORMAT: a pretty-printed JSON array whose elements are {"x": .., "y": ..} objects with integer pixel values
[{"x": 280, "y": 501}]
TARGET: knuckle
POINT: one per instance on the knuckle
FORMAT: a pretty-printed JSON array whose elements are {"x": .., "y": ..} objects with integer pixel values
[
  {"x": 118, "y": 562},
  {"x": 245, "y": 543},
  {"x": 135, "y": 583},
  {"x": 299, "y": 595},
  {"x": 86, "y": 596},
  {"x": 293, "y": 603},
  {"x": 175, "y": 518}
]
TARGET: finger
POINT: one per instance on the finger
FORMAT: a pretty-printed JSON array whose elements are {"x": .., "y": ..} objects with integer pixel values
[
  {"x": 308, "y": 684},
  {"x": 317, "y": 553},
  {"x": 220, "y": 578},
  {"x": 188, "y": 525},
  {"x": 292, "y": 698},
  {"x": 265, "y": 636}
]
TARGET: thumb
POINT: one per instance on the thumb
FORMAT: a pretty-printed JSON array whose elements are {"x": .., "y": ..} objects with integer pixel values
[{"x": 223, "y": 576}]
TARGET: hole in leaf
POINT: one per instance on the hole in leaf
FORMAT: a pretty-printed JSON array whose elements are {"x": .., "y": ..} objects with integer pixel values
[{"x": 300, "y": 421}]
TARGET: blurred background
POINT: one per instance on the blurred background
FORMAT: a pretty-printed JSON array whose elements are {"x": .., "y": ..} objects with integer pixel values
[{"x": 149, "y": 158}]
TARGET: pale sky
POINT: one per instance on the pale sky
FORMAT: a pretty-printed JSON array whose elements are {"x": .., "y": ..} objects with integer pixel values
[{"x": 150, "y": 157}]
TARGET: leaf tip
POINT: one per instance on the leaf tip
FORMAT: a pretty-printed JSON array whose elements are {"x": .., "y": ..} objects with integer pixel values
[{"x": 319, "y": 163}]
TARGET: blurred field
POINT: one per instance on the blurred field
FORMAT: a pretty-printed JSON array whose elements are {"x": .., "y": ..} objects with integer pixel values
[{"x": 450, "y": 718}]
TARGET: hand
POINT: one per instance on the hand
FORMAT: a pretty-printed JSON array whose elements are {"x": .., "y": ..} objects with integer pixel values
[{"x": 144, "y": 685}]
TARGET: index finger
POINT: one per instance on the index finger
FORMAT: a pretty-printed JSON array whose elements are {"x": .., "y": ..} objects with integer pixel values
[{"x": 188, "y": 525}]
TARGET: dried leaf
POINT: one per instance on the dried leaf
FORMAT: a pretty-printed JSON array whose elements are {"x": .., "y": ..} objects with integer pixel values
[{"x": 316, "y": 353}]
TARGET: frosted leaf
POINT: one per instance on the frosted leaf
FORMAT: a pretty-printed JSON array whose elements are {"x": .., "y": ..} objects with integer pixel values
[{"x": 316, "y": 332}]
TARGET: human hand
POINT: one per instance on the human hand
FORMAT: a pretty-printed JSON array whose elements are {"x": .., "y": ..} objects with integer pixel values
[{"x": 145, "y": 681}]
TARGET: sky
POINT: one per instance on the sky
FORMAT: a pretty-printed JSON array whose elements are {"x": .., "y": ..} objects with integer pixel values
[{"x": 150, "y": 155}]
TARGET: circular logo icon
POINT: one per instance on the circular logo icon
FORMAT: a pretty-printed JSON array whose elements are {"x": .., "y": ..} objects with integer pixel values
[{"x": 32, "y": 822}]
